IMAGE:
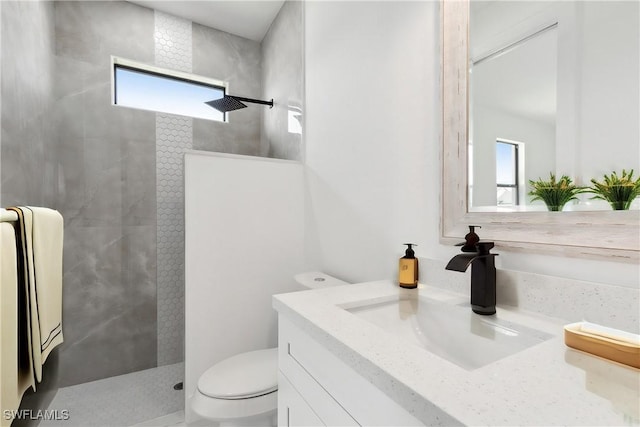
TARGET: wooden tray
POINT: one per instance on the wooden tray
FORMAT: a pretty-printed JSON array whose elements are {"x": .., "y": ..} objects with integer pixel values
[{"x": 608, "y": 347}]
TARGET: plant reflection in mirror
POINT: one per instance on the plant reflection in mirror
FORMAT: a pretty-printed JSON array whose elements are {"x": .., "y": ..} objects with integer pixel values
[
  {"x": 555, "y": 194},
  {"x": 619, "y": 192}
]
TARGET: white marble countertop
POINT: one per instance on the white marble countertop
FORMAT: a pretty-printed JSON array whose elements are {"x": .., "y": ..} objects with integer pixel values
[{"x": 547, "y": 384}]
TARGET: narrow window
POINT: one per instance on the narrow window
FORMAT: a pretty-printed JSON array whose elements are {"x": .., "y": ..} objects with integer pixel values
[
  {"x": 150, "y": 88},
  {"x": 507, "y": 173}
]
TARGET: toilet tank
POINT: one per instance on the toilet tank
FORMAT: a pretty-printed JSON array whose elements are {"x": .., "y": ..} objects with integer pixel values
[{"x": 316, "y": 280}]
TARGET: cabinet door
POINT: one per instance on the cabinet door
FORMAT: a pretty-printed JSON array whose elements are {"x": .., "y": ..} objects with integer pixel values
[
  {"x": 338, "y": 395},
  {"x": 293, "y": 410}
]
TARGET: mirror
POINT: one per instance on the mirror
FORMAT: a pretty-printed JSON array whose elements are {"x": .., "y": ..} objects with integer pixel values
[
  {"x": 596, "y": 125},
  {"x": 549, "y": 83}
]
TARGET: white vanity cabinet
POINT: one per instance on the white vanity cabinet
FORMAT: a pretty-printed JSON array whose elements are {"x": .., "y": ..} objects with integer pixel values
[
  {"x": 293, "y": 410},
  {"x": 316, "y": 388}
]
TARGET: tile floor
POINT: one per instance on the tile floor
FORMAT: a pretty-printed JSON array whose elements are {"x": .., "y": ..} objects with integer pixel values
[{"x": 140, "y": 397}]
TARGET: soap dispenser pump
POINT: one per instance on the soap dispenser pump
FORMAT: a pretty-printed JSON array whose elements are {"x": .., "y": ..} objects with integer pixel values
[
  {"x": 408, "y": 269},
  {"x": 471, "y": 239}
]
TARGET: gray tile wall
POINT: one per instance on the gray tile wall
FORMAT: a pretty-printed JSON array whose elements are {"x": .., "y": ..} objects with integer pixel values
[
  {"x": 106, "y": 193},
  {"x": 28, "y": 149},
  {"x": 282, "y": 77},
  {"x": 28, "y": 143},
  {"x": 236, "y": 60},
  {"x": 66, "y": 147}
]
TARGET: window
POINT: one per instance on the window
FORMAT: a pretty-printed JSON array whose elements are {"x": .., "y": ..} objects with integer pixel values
[
  {"x": 507, "y": 173},
  {"x": 145, "y": 87}
]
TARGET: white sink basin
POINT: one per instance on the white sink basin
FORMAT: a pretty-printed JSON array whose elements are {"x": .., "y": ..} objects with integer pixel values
[{"x": 450, "y": 329}]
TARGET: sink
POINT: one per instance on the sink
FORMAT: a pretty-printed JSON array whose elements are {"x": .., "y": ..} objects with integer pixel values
[{"x": 450, "y": 329}]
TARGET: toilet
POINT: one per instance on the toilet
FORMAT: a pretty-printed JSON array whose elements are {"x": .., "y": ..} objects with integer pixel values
[{"x": 242, "y": 390}]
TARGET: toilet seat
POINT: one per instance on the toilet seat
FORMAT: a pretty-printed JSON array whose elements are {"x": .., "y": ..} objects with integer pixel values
[
  {"x": 243, "y": 376},
  {"x": 239, "y": 388},
  {"x": 234, "y": 409}
]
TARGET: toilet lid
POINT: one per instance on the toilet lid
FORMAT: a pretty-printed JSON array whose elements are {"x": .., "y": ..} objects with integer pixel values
[{"x": 242, "y": 376}]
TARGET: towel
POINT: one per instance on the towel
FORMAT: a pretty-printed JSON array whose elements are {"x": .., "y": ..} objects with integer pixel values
[
  {"x": 610, "y": 333},
  {"x": 40, "y": 241},
  {"x": 15, "y": 373}
]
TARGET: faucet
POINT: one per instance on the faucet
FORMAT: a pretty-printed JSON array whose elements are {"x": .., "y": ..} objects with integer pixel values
[{"x": 483, "y": 276}]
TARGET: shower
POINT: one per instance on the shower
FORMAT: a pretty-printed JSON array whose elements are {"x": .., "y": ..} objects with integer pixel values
[{"x": 230, "y": 103}]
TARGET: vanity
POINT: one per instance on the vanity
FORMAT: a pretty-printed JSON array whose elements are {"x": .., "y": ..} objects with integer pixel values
[{"x": 376, "y": 354}]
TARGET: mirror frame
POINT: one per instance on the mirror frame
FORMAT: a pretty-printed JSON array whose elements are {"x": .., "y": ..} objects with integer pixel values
[{"x": 612, "y": 235}]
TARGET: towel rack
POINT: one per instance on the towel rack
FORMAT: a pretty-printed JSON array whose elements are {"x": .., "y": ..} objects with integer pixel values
[{"x": 8, "y": 216}]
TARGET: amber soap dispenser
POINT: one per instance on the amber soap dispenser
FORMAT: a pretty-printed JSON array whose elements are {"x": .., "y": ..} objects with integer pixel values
[{"x": 408, "y": 269}]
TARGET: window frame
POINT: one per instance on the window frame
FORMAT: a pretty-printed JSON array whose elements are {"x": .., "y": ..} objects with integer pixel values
[
  {"x": 516, "y": 186},
  {"x": 127, "y": 64}
]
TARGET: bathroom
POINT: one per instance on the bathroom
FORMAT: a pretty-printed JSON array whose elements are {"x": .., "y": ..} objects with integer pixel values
[{"x": 367, "y": 184}]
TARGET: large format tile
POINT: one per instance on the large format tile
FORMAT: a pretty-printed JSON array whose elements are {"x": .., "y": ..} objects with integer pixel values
[
  {"x": 282, "y": 59},
  {"x": 28, "y": 171},
  {"x": 222, "y": 138},
  {"x": 27, "y": 78},
  {"x": 139, "y": 179},
  {"x": 91, "y": 31},
  {"x": 238, "y": 61},
  {"x": 103, "y": 184},
  {"x": 109, "y": 302}
]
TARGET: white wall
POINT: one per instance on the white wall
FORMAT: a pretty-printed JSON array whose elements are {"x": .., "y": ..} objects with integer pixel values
[
  {"x": 244, "y": 231},
  {"x": 372, "y": 133},
  {"x": 373, "y": 145}
]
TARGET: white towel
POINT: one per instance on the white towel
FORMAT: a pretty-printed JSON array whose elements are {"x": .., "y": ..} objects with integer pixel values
[
  {"x": 15, "y": 377},
  {"x": 611, "y": 333},
  {"x": 40, "y": 248}
]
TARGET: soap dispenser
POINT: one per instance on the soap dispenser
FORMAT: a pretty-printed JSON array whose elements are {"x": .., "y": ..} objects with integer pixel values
[
  {"x": 408, "y": 269},
  {"x": 471, "y": 239}
]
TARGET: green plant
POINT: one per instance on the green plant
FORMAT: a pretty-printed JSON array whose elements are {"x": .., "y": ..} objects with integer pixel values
[
  {"x": 618, "y": 191},
  {"x": 555, "y": 194}
]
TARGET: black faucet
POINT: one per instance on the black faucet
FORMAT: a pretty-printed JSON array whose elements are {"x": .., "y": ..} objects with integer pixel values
[{"x": 483, "y": 276}]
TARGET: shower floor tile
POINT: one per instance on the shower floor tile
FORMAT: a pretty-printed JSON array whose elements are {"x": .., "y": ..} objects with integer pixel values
[{"x": 121, "y": 401}]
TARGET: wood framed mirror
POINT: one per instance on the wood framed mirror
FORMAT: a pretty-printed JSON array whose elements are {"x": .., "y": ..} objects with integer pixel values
[{"x": 613, "y": 235}]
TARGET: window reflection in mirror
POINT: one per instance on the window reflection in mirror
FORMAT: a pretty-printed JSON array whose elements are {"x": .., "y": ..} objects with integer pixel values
[{"x": 508, "y": 182}]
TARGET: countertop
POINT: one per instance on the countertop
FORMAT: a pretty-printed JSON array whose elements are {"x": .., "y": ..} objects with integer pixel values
[{"x": 547, "y": 384}]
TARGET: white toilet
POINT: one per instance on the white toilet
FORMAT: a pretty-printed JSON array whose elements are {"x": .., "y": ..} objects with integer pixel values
[{"x": 243, "y": 389}]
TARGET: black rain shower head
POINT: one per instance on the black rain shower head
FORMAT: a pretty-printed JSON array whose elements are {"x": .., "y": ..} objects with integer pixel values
[
  {"x": 226, "y": 103},
  {"x": 230, "y": 103}
]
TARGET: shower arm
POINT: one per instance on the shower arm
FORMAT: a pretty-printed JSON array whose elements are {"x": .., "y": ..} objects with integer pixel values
[{"x": 254, "y": 101}]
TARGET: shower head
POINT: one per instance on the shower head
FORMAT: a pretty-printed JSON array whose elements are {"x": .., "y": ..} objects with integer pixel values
[
  {"x": 226, "y": 103},
  {"x": 230, "y": 103}
]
